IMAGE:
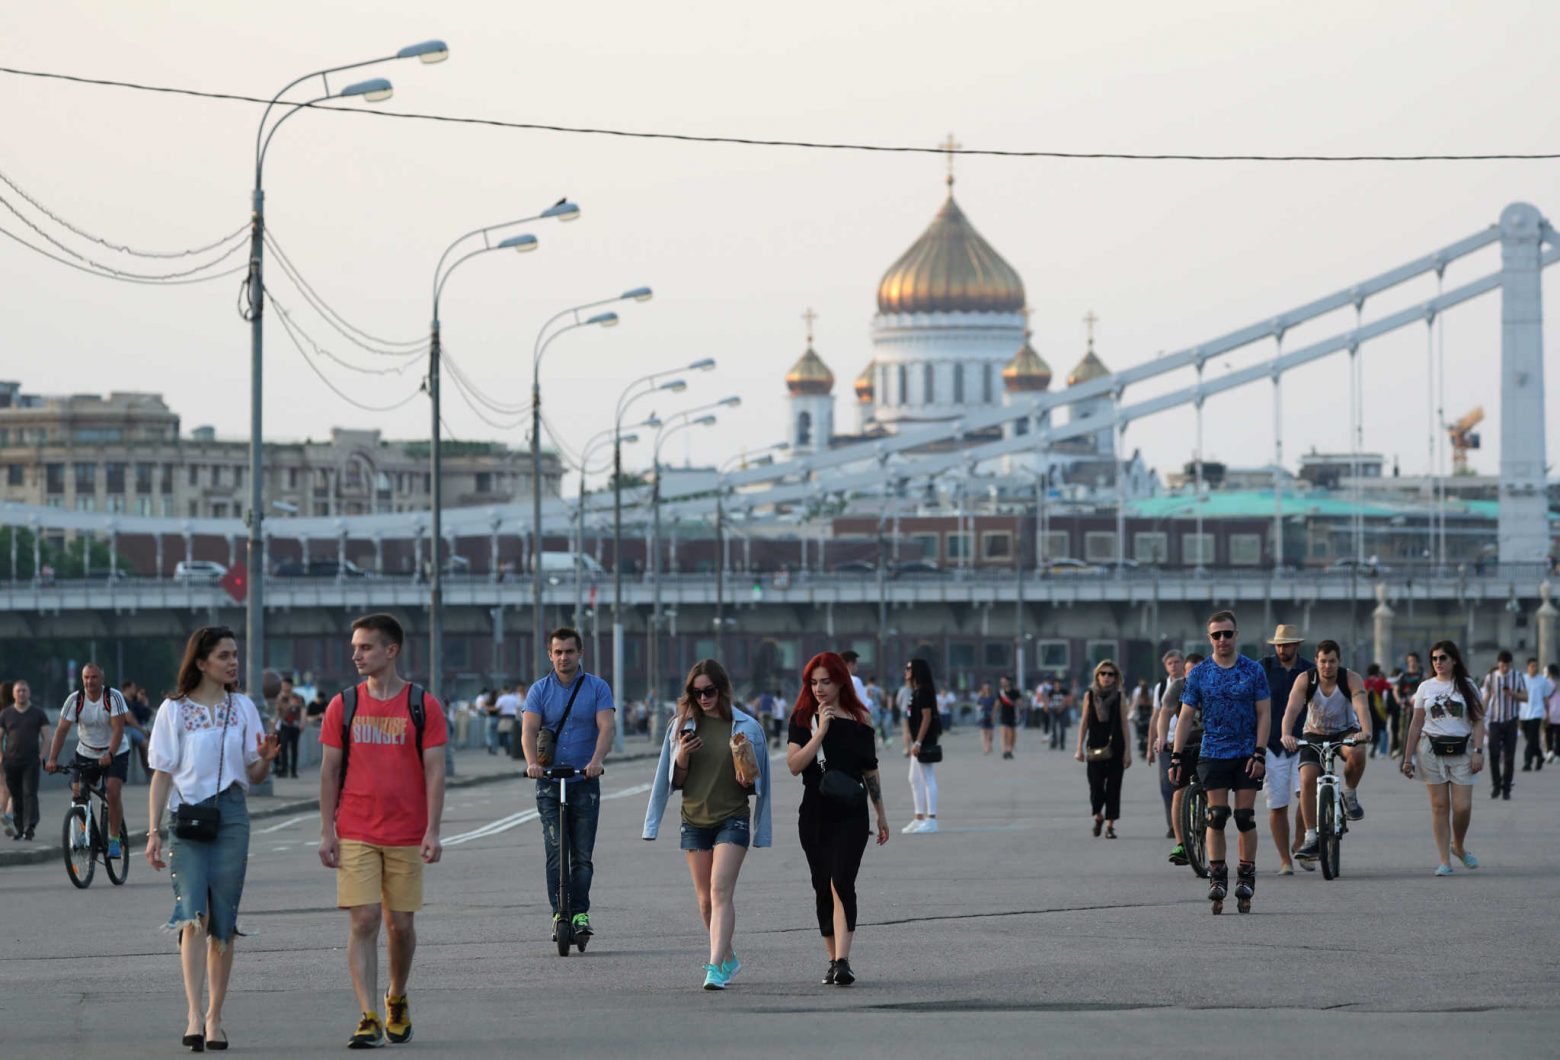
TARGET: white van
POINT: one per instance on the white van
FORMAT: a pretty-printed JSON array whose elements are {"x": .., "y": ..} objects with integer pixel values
[{"x": 563, "y": 563}]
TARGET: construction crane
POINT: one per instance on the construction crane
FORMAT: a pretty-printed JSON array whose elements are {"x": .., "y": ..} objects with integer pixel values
[{"x": 1463, "y": 439}]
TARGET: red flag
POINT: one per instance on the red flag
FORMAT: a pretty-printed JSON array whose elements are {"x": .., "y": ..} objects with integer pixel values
[{"x": 236, "y": 582}]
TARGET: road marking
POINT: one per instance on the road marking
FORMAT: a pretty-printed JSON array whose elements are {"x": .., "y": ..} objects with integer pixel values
[{"x": 287, "y": 823}]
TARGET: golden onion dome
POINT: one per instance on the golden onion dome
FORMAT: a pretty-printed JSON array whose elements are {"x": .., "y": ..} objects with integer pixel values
[
  {"x": 866, "y": 389},
  {"x": 809, "y": 375},
  {"x": 1091, "y": 367},
  {"x": 1026, "y": 371},
  {"x": 950, "y": 269}
]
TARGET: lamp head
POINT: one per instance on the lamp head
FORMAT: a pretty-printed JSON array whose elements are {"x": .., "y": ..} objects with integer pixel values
[
  {"x": 374, "y": 90},
  {"x": 521, "y": 244},
  {"x": 629, "y": 439},
  {"x": 703, "y": 364},
  {"x": 704, "y": 421},
  {"x": 563, "y": 210},
  {"x": 606, "y": 320},
  {"x": 638, "y": 294},
  {"x": 429, "y": 51},
  {"x": 675, "y": 386},
  {"x": 782, "y": 447},
  {"x": 653, "y": 422},
  {"x": 732, "y": 402}
]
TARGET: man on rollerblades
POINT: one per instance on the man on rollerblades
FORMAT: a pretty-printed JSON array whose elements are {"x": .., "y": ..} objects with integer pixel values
[{"x": 1232, "y": 693}]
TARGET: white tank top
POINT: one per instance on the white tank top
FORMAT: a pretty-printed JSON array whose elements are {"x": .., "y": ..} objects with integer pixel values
[{"x": 1329, "y": 713}]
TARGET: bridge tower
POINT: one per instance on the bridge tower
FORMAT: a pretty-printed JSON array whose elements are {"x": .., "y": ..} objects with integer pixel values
[{"x": 1524, "y": 502}]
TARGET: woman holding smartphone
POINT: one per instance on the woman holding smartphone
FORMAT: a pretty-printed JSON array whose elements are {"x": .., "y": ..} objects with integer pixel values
[
  {"x": 832, "y": 747},
  {"x": 699, "y": 758}
]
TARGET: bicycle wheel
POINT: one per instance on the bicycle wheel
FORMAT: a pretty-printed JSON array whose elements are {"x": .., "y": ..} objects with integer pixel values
[
  {"x": 1327, "y": 836},
  {"x": 77, "y": 845},
  {"x": 118, "y": 868},
  {"x": 1194, "y": 829}
]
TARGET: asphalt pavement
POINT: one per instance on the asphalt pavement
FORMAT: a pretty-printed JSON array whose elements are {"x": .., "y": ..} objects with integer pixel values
[{"x": 1012, "y": 932}]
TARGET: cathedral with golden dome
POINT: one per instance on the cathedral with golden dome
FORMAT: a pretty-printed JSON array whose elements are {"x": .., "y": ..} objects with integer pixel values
[{"x": 950, "y": 336}]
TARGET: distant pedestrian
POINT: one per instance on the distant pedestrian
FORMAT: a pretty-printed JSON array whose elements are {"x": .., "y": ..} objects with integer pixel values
[
  {"x": 24, "y": 728},
  {"x": 1007, "y": 715},
  {"x": 381, "y": 803},
  {"x": 1403, "y": 693},
  {"x": 986, "y": 717},
  {"x": 508, "y": 704},
  {"x": 289, "y": 728},
  {"x": 1281, "y": 784},
  {"x": 1552, "y": 706},
  {"x": 1379, "y": 691},
  {"x": 208, "y": 746},
  {"x": 1174, "y": 665},
  {"x": 1142, "y": 711},
  {"x": 1539, "y": 689},
  {"x": 831, "y": 747},
  {"x": 923, "y": 745},
  {"x": 1504, "y": 694},
  {"x": 138, "y": 724},
  {"x": 1060, "y": 713},
  {"x": 1104, "y": 745},
  {"x": 1444, "y": 739},
  {"x": 700, "y": 757},
  {"x": 486, "y": 708}
]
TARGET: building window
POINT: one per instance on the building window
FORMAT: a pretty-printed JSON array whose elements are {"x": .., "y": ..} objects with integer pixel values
[
  {"x": 219, "y": 509},
  {"x": 143, "y": 477},
  {"x": 1151, "y": 547},
  {"x": 929, "y": 383},
  {"x": 1053, "y": 656},
  {"x": 167, "y": 479},
  {"x": 1099, "y": 546},
  {"x": 1197, "y": 548},
  {"x": 114, "y": 477},
  {"x": 1021, "y": 425},
  {"x": 987, "y": 371},
  {"x": 114, "y": 504},
  {"x": 167, "y": 507},
  {"x": 996, "y": 544},
  {"x": 961, "y": 656},
  {"x": 194, "y": 509},
  {"x": 86, "y": 503},
  {"x": 904, "y": 385},
  {"x": 959, "y": 545},
  {"x": 923, "y": 546},
  {"x": 143, "y": 506},
  {"x": 1245, "y": 550},
  {"x": 1097, "y": 651},
  {"x": 485, "y": 481},
  {"x": 1058, "y": 544},
  {"x": 998, "y": 655},
  {"x": 958, "y": 384},
  {"x": 86, "y": 478},
  {"x": 13, "y": 475},
  {"x": 803, "y": 429},
  {"x": 292, "y": 478},
  {"x": 194, "y": 475}
]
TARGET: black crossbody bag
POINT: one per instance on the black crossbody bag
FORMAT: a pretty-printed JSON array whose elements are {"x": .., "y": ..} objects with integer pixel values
[
  {"x": 199, "y": 822},
  {"x": 547, "y": 739}
]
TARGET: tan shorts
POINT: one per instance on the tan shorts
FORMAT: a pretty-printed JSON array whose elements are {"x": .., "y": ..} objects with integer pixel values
[
  {"x": 1444, "y": 769},
  {"x": 373, "y": 875}
]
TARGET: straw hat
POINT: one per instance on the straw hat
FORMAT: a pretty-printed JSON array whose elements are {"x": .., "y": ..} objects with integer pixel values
[{"x": 1286, "y": 635}]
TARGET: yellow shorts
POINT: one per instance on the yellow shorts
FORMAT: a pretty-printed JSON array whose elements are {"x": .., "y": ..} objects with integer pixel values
[{"x": 373, "y": 875}]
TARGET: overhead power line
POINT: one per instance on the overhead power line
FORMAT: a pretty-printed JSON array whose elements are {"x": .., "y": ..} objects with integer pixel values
[
  {"x": 356, "y": 335},
  {"x": 298, "y": 344},
  {"x": 107, "y": 273},
  {"x": 814, "y": 145}
]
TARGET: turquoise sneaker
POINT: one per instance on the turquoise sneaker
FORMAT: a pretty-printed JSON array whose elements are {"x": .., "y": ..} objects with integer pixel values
[
  {"x": 1468, "y": 860},
  {"x": 714, "y": 977},
  {"x": 1443, "y": 870},
  {"x": 730, "y": 967}
]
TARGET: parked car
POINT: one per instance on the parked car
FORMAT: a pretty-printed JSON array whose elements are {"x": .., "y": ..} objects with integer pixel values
[
  {"x": 918, "y": 568},
  {"x": 1369, "y": 568},
  {"x": 855, "y": 566},
  {"x": 318, "y": 568},
  {"x": 199, "y": 571},
  {"x": 1074, "y": 567}
]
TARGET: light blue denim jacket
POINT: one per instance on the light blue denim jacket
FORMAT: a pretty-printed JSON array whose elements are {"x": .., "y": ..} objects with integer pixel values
[{"x": 662, "y": 787}]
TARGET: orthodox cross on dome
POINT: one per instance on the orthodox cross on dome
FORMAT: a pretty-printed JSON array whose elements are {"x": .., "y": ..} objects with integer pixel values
[
  {"x": 950, "y": 146},
  {"x": 1028, "y": 312},
  {"x": 1089, "y": 320},
  {"x": 809, "y": 317}
]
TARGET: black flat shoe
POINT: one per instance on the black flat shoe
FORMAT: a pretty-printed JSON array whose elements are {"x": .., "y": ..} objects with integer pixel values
[
  {"x": 214, "y": 1044},
  {"x": 1110, "y": 833},
  {"x": 195, "y": 1043},
  {"x": 843, "y": 976},
  {"x": 1099, "y": 822},
  {"x": 828, "y": 977}
]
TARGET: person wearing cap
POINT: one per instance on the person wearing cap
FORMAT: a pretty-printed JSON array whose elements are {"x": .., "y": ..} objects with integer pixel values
[{"x": 1283, "y": 668}]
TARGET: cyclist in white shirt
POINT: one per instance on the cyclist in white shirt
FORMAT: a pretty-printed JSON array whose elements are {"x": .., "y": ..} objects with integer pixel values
[{"x": 100, "y": 715}]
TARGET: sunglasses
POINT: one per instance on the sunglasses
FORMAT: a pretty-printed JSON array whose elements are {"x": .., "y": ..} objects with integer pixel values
[
  {"x": 1109, "y": 673},
  {"x": 1440, "y": 658},
  {"x": 1221, "y": 634},
  {"x": 707, "y": 692}
]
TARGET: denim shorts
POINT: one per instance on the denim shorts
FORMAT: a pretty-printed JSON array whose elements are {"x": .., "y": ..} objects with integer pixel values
[
  {"x": 208, "y": 878},
  {"x": 731, "y": 830}
]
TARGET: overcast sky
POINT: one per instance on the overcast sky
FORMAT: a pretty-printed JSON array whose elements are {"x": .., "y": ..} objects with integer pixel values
[{"x": 738, "y": 241}]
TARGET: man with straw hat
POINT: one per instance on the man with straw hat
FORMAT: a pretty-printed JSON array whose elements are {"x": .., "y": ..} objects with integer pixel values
[{"x": 1283, "y": 668}]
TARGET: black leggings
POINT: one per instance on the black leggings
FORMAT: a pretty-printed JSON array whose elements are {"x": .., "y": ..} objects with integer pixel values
[
  {"x": 1105, "y": 788},
  {"x": 834, "y": 849}
]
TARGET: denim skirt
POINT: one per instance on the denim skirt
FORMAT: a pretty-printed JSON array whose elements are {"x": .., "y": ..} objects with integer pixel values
[{"x": 208, "y": 878}]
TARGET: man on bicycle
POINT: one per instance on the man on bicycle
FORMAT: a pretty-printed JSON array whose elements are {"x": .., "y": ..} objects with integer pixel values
[
  {"x": 1335, "y": 704},
  {"x": 101, "y": 748},
  {"x": 1232, "y": 692}
]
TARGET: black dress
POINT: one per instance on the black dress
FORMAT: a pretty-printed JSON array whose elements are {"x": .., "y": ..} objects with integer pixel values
[
  {"x": 834, "y": 840},
  {"x": 1104, "y": 773}
]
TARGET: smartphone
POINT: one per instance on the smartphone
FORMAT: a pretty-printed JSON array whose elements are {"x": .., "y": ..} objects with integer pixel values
[{"x": 689, "y": 727}]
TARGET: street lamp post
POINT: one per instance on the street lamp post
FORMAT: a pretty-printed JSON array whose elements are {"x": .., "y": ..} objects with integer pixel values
[
  {"x": 563, "y": 210},
  {"x": 543, "y": 340},
  {"x": 373, "y": 91},
  {"x": 654, "y": 383}
]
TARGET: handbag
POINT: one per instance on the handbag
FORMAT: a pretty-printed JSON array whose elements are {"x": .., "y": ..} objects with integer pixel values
[
  {"x": 199, "y": 822},
  {"x": 930, "y": 756},
  {"x": 1447, "y": 746},
  {"x": 1096, "y": 754},
  {"x": 842, "y": 790},
  {"x": 547, "y": 739}
]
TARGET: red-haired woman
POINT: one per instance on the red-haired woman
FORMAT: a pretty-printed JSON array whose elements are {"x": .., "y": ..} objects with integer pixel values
[{"x": 832, "y": 747}]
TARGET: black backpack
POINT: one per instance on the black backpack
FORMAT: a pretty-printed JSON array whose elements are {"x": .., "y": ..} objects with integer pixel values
[
  {"x": 349, "y": 697},
  {"x": 1316, "y": 680}
]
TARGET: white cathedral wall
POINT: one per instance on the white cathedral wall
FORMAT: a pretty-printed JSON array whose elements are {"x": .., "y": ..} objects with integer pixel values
[{"x": 904, "y": 344}]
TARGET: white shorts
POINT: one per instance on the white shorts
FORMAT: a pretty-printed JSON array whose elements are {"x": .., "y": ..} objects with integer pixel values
[{"x": 1282, "y": 779}]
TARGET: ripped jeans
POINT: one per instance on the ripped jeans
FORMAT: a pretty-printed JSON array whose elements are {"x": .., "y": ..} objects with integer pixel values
[
  {"x": 208, "y": 878},
  {"x": 584, "y": 809}
]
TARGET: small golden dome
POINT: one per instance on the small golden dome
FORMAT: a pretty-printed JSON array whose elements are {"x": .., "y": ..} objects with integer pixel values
[
  {"x": 1091, "y": 367},
  {"x": 866, "y": 389},
  {"x": 950, "y": 269},
  {"x": 1026, "y": 371},
  {"x": 809, "y": 375}
]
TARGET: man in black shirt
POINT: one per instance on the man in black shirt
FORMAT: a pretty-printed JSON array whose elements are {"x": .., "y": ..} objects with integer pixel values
[
  {"x": 1283, "y": 668},
  {"x": 23, "y": 737},
  {"x": 1403, "y": 690}
]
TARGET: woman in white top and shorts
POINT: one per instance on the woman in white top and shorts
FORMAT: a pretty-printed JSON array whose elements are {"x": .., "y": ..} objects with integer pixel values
[
  {"x": 208, "y": 745},
  {"x": 1447, "y": 732}
]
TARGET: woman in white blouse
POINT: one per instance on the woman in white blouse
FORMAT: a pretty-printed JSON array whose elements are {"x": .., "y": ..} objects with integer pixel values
[{"x": 208, "y": 745}]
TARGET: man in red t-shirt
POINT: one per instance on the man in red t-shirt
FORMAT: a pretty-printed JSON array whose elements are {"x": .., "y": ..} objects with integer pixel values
[{"x": 380, "y": 823}]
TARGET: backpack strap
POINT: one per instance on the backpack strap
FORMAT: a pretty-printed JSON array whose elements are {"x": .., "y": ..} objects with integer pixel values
[
  {"x": 414, "y": 706},
  {"x": 349, "y": 697}
]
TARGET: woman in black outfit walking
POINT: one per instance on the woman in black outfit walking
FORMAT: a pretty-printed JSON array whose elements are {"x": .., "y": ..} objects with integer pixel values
[
  {"x": 1104, "y": 743},
  {"x": 831, "y": 744}
]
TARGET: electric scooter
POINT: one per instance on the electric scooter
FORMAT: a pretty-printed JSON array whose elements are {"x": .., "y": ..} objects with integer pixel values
[{"x": 563, "y": 928}]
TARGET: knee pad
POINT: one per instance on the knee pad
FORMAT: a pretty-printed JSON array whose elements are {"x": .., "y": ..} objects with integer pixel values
[
  {"x": 1218, "y": 817},
  {"x": 1245, "y": 820}
]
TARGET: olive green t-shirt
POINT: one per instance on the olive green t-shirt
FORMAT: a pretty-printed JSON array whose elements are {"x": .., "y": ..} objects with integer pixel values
[{"x": 711, "y": 793}]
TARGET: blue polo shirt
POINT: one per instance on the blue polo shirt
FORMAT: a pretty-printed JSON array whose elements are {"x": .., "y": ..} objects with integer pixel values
[
  {"x": 1280, "y": 683},
  {"x": 549, "y": 696},
  {"x": 1228, "y": 698}
]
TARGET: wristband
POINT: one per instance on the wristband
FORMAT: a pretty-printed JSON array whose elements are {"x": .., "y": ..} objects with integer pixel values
[
  {"x": 1477, "y": 751},
  {"x": 1260, "y": 752}
]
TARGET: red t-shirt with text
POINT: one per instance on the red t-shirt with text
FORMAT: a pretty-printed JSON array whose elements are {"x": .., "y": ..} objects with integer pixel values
[{"x": 385, "y": 798}]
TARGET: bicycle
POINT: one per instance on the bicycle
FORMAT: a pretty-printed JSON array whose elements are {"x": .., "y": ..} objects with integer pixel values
[
  {"x": 1332, "y": 824},
  {"x": 1194, "y": 825},
  {"x": 86, "y": 836},
  {"x": 563, "y": 928}
]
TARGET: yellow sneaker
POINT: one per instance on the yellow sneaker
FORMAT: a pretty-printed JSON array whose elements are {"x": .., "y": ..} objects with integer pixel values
[
  {"x": 398, "y": 1019},
  {"x": 370, "y": 1033}
]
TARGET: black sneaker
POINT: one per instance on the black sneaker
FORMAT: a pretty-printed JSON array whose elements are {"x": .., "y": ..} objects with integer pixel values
[
  {"x": 1309, "y": 851},
  {"x": 843, "y": 976},
  {"x": 828, "y": 977}
]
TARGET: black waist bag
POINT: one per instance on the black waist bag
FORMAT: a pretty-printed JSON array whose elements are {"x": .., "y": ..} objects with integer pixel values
[{"x": 1447, "y": 746}]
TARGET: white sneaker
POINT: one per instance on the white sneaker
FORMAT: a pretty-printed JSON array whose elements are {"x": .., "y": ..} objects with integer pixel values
[
  {"x": 914, "y": 826},
  {"x": 928, "y": 826}
]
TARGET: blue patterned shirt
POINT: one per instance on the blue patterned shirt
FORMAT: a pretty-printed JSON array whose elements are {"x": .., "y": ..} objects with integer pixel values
[{"x": 1228, "y": 699}]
